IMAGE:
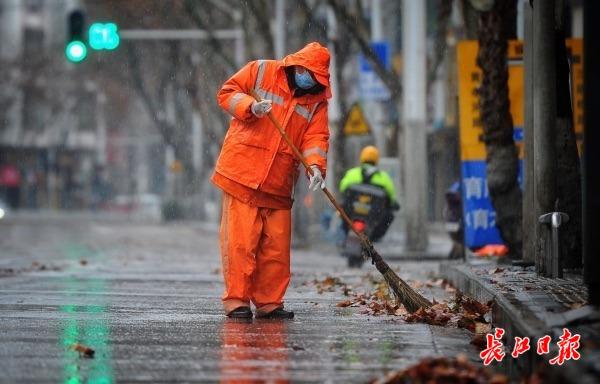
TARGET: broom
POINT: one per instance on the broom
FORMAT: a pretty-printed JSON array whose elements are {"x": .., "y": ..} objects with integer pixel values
[{"x": 403, "y": 293}]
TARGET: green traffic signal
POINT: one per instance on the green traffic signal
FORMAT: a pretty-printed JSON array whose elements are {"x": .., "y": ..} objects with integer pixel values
[
  {"x": 76, "y": 51},
  {"x": 103, "y": 36}
]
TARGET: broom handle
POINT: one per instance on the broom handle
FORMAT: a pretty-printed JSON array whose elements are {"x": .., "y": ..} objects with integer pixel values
[{"x": 299, "y": 156}]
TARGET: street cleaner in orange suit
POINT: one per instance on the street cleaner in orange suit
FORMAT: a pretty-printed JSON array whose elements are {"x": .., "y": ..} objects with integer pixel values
[{"x": 257, "y": 172}]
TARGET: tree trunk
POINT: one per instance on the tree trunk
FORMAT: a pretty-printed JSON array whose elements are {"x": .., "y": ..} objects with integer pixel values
[
  {"x": 568, "y": 184},
  {"x": 502, "y": 156}
]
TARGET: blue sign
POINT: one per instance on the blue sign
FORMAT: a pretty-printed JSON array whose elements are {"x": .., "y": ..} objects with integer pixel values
[
  {"x": 370, "y": 85},
  {"x": 479, "y": 214},
  {"x": 382, "y": 50}
]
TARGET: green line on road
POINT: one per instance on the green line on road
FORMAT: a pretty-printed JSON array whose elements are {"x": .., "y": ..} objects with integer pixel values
[{"x": 93, "y": 332}]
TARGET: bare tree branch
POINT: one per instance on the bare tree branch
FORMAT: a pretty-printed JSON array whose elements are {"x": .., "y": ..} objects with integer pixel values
[
  {"x": 258, "y": 9},
  {"x": 214, "y": 43},
  {"x": 356, "y": 26},
  {"x": 149, "y": 103}
]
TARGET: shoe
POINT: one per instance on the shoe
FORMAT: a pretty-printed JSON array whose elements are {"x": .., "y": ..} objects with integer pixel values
[
  {"x": 240, "y": 313},
  {"x": 278, "y": 313}
]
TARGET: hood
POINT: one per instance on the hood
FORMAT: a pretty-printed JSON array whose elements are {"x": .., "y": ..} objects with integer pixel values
[{"x": 315, "y": 58}]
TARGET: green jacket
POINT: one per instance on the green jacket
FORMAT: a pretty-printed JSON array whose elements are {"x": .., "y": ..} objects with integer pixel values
[{"x": 380, "y": 178}]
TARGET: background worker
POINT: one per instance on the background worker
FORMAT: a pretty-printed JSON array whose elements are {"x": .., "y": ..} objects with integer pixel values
[
  {"x": 368, "y": 173},
  {"x": 256, "y": 171}
]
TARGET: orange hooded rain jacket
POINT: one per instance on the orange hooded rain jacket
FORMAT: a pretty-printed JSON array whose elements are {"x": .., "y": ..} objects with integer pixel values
[
  {"x": 256, "y": 166},
  {"x": 257, "y": 172}
]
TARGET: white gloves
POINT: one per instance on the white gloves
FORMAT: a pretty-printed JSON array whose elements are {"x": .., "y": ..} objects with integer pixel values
[
  {"x": 316, "y": 180},
  {"x": 261, "y": 108}
]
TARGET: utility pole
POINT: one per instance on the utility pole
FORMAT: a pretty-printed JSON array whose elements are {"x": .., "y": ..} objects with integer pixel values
[
  {"x": 544, "y": 124},
  {"x": 334, "y": 112},
  {"x": 375, "y": 107},
  {"x": 414, "y": 115},
  {"x": 280, "y": 34}
]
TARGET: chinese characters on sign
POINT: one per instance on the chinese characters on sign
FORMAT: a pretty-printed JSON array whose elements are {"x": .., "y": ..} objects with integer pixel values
[{"x": 568, "y": 345}]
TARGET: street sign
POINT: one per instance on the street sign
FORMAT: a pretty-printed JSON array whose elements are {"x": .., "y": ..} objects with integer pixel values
[
  {"x": 356, "y": 123},
  {"x": 103, "y": 36},
  {"x": 478, "y": 213},
  {"x": 370, "y": 85}
]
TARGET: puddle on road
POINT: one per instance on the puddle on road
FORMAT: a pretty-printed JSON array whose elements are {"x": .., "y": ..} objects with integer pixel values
[
  {"x": 87, "y": 325},
  {"x": 255, "y": 350}
]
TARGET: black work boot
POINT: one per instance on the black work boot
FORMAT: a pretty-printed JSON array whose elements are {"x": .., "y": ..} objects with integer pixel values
[
  {"x": 240, "y": 313},
  {"x": 278, "y": 313}
]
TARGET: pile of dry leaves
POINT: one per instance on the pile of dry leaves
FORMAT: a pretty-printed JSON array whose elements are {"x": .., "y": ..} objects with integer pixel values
[
  {"x": 444, "y": 370},
  {"x": 377, "y": 303},
  {"x": 462, "y": 312}
]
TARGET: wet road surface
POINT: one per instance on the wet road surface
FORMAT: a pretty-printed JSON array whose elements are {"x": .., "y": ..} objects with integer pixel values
[{"x": 146, "y": 299}]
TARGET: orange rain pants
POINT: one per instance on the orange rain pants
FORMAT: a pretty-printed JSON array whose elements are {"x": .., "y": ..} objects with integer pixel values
[{"x": 255, "y": 253}]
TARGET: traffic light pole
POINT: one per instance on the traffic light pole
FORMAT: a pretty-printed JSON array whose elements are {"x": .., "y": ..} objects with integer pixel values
[{"x": 236, "y": 34}]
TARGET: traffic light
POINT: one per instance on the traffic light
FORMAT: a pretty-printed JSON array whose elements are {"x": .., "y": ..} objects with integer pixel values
[
  {"x": 104, "y": 36},
  {"x": 76, "y": 49}
]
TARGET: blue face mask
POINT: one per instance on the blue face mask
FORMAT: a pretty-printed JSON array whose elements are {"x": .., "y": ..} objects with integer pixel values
[{"x": 304, "y": 80}]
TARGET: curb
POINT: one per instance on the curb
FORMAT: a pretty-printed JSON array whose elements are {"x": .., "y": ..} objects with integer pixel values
[{"x": 516, "y": 320}]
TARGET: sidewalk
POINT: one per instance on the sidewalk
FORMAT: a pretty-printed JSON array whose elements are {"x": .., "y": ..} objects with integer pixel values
[
  {"x": 145, "y": 298},
  {"x": 526, "y": 304}
]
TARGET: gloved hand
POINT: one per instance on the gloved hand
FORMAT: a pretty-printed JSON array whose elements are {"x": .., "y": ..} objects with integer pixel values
[
  {"x": 316, "y": 180},
  {"x": 395, "y": 206},
  {"x": 261, "y": 108}
]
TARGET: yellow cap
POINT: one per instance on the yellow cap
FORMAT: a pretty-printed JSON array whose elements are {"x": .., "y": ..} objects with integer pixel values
[{"x": 369, "y": 154}]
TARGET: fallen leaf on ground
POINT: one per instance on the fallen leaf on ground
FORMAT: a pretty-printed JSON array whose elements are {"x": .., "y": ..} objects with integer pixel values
[
  {"x": 345, "y": 303},
  {"x": 83, "y": 350},
  {"x": 443, "y": 370}
]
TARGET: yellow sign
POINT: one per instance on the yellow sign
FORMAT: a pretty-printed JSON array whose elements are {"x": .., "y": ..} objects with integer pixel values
[
  {"x": 356, "y": 124},
  {"x": 469, "y": 79}
]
